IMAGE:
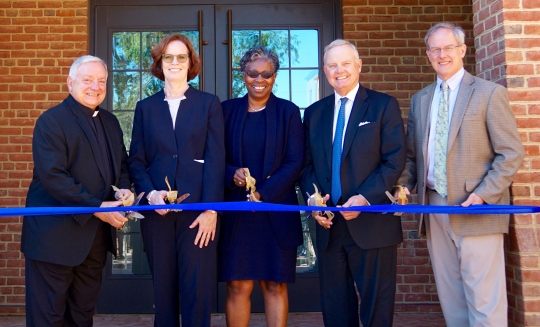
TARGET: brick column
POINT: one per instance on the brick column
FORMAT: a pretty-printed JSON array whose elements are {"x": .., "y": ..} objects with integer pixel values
[
  {"x": 507, "y": 38},
  {"x": 38, "y": 42}
]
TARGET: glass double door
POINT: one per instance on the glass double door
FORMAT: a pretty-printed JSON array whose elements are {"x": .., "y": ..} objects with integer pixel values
[{"x": 124, "y": 37}]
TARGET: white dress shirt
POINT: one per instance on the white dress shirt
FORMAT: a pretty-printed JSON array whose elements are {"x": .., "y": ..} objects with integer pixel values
[{"x": 348, "y": 108}]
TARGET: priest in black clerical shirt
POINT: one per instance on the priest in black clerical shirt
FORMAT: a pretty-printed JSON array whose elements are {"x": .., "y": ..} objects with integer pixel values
[{"x": 78, "y": 154}]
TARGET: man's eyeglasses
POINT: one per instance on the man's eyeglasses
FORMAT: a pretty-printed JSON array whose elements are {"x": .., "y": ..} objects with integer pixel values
[
  {"x": 447, "y": 49},
  {"x": 168, "y": 58},
  {"x": 254, "y": 74}
]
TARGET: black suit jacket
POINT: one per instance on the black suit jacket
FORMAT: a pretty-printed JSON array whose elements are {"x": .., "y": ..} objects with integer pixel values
[
  {"x": 192, "y": 155},
  {"x": 284, "y": 155},
  {"x": 373, "y": 157},
  {"x": 67, "y": 174}
]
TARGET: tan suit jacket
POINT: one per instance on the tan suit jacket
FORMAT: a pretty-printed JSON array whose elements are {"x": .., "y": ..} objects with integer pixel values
[{"x": 484, "y": 152}]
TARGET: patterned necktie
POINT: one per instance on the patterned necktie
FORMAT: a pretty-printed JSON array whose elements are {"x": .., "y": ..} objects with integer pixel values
[
  {"x": 441, "y": 142},
  {"x": 336, "y": 153}
]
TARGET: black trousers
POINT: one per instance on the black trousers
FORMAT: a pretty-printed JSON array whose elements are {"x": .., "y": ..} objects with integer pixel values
[
  {"x": 341, "y": 265},
  {"x": 184, "y": 275},
  {"x": 65, "y": 296}
]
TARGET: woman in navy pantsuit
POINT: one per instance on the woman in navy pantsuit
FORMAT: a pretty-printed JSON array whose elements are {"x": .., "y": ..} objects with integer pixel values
[
  {"x": 178, "y": 133},
  {"x": 264, "y": 134}
]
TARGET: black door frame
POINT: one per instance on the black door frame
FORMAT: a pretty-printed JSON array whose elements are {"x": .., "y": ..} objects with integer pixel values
[{"x": 122, "y": 284}]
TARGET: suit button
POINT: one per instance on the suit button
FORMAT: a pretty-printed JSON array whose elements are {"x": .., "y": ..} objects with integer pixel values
[
  {"x": 327, "y": 179},
  {"x": 102, "y": 191},
  {"x": 174, "y": 156}
]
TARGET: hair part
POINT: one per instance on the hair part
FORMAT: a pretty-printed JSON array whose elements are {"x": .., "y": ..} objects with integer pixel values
[
  {"x": 84, "y": 60},
  {"x": 459, "y": 33},
  {"x": 259, "y": 52},
  {"x": 337, "y": 43},
  {"x": 157, "y": 66}
]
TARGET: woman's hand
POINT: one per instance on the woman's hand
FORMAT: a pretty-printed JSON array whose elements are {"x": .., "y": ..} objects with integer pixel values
[
  {"x": 207, "y": 221},
  {"x": 156, "y": 198},
  {"x": 239, "y": 178}
]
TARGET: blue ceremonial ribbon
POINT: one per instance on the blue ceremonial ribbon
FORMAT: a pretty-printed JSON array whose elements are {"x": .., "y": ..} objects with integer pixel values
[{"x": 262, "y": 206}]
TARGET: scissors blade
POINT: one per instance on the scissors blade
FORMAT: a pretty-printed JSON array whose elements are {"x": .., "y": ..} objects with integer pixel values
[
  {"x": 139, "y": 198},
  {"x": 182, "y": 198},
  {"x": 134, "y": 215},
  {"x": 394, "y": 201}
]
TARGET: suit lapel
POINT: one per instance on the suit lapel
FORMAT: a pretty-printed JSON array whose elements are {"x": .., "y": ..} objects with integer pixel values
[
  {"x": 271, "y": 127},
  {"x": 464, "y": 95},
  {"x": 89, "y": 133},
  {"x": 425, "y": 117},
  {"x": 328, "y": 128},
  {"x": 240, "y": 115},
  {"x": 359, "y": 109}
]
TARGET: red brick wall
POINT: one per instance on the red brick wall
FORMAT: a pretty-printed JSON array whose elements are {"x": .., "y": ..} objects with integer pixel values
[
  {"x": 508, "y": 42},
  {"x": 38, "y": 42},
  {"x": 389, "y": 35}
]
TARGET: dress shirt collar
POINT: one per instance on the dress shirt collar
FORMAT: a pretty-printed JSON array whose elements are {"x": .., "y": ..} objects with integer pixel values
[
  {"x": 454, "y": 81},
  {"x": 350, "y": 96},
  {"x": 88, "y": 112}
]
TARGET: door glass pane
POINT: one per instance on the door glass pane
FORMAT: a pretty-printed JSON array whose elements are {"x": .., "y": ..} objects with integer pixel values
[
  {"x": 130, "y": 258},
  {"x": 298, "y": 57}
]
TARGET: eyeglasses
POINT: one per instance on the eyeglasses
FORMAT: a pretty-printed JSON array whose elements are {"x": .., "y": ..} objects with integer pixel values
[
  {"x": 447, "y": 49},
  {"x": 168, "y": 58},
  {"x": 254, "y": 74}
]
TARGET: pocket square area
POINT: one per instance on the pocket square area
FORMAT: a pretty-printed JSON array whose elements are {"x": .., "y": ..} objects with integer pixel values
[{"x": 364, "y": 123}]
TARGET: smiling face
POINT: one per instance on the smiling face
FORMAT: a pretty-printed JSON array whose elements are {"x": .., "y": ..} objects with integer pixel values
[
  {"x": 445, "y": 64},
  {"x": 175, "y": 71},
  {"x": 90, "y": 84},
  {"x": 342, "y": 68},
  {"x": 259, "y": 88}
]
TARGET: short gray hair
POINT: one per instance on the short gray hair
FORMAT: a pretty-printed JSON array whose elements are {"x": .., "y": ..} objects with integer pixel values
[
  {"x": 259, "y": 52},
  {"x": 337, "y": 43},
  {"x": 83, "y": 60},
  {"x": 459, "y": 33}
]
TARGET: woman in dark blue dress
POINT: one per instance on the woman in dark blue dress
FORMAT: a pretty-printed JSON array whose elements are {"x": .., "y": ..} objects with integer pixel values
[{"x": 264, "y": 134}]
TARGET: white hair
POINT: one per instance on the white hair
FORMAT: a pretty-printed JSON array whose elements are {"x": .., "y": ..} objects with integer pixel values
[
  {"x": 459, "y": 33},
  {"x": 83, "y": 60},
  {"x": 337, "y": 43}
]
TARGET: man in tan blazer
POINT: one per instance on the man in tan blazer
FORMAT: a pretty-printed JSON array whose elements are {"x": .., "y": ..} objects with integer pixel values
[{"x": 463, "y": 149}]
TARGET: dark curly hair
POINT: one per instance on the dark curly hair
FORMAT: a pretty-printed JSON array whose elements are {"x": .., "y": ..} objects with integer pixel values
[
  {"x": 259, "y": 52},
  {"x": 194, "y": 62}
]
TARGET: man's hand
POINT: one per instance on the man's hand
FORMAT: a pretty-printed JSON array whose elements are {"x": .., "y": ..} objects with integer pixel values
[
  {"x": 321, "y": 220},
  {"x": 126, "y": 194},
  {"x": 355, "y": 200},
  {"x": 396, "y": 191},
  {"x": 207, "y": 221},
  {"x": 472, "y": 199},
  {"x": 114, "y": 219},
  {"x": 156, "y": 198}
]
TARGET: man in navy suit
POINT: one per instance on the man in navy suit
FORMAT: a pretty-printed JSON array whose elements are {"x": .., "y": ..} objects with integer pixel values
[
  {"x": 78, "y": 153},
  {"x": 355, "y": 151}
]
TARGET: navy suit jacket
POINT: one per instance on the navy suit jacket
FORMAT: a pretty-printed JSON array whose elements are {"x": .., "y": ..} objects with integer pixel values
[
  {"x": 192, "y": 155},
  {"x": 66, "y": 174},
  {"x": 373, "y": 157},
  {"x": 284, "y": 155}
]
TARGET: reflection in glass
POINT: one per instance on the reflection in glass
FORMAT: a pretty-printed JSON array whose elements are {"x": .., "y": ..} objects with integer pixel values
[
  {"x": 281, "y": 86},
  {"x": 243, "y": 40},
  {"x": 130, "y": 258},
  {"x": 305, "y": 87},
  {"x": 306, "y": 254},
  {"x": 277, "y": 41},
  {"x": 126, "y": 123},
  {"x": 125, "y": 90},
  {"x": 306, "y": 50},
  {"x": 239, "y": 88},
  {"x": 150, "y": 84},
  {"x": 126, "y": 50}
]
